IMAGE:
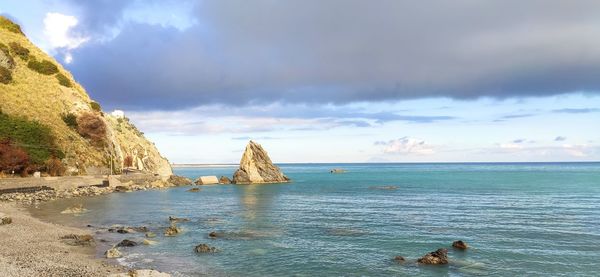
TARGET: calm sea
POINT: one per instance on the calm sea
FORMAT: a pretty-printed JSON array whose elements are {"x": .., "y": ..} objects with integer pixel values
[{"x": 539, "y": 219}]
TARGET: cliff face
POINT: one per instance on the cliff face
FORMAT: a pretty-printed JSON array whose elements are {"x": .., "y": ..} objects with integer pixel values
[
  {"x": 33, "y": 86},
  {"x": 256, "y": 167}
]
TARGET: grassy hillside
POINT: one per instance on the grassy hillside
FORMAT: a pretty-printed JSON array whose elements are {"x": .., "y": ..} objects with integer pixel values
[{"x": 34, "y": 87}]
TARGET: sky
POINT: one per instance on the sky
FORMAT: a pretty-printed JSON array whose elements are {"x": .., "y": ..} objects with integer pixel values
[{"x": 337, "y": 80}]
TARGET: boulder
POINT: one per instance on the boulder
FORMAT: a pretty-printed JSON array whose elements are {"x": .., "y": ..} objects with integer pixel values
[
  {"x": 78, "y": 240},
  {"x": 204, "y": 248},
  {"x": 459, "y": 244},
  {"x": 112, "y": 253},
  {"x": 224, "y": 180},
  {"x": 122, "y": 189},
  {"x": 207, "y": 180},
  {"x": 256, "y": 167},
  {"x": 437, "y": 257},
  {"x": 179, "y": 180},
  {"x": 214, "y": 235},
  {"x": 127, "y": 243},
  {"x": 194, "y": 190},
  {"x": 172, "y": 231},
  {"x": 5, "y": 220}
]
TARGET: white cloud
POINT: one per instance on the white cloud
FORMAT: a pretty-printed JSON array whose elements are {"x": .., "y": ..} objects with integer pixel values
[
  {"x": 407, "y": 146},
  {"x": 58, "y": 30}
]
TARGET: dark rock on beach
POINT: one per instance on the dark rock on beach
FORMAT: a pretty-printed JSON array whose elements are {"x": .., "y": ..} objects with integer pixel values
[
  {"x": 204, "y": 248},
  {"x": 5, "y": 220},
  {"x": 459, "y": 244},
  {"x": 437, "y": 257},
  {"x": 78, "y": 240}
]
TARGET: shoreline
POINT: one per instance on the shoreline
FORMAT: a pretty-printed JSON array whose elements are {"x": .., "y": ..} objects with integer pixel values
[{"x": 32, "y": 247}]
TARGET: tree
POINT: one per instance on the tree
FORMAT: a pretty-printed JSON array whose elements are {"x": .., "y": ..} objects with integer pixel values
[
  {"x": 12, "y": 157},
  {"x": 127, "y": 162}
]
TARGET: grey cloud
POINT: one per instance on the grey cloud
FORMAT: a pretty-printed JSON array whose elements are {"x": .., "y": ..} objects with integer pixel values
[
  {"x": 577, "y": 111},
  {"x": 560, "y": 138},
  {"x": 342, "y": 51}
]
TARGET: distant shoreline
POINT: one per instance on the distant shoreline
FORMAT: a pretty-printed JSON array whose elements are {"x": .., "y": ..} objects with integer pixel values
[{"x": 204, "y": 165}]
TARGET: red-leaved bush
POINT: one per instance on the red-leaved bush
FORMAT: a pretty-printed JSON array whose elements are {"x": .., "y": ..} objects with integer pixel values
[
  {"x": 12, "y": 158},
  {"x": 92, "y": 127}
]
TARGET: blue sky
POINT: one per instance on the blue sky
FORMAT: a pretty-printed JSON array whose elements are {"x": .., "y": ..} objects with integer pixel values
[{"x": 338, "y": 81}]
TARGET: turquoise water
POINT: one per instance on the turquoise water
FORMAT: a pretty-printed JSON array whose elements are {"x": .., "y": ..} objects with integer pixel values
[{"x": 519, "y": 219}]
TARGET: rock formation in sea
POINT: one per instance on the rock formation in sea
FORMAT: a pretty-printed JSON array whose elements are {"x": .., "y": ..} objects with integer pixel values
[
  {"x": 206, "y": 180},
  {"x": 205, "y": 248},
  {"x": 437, "y": 257},
  {"x": 224, "y": 180},
  {"x": 256, "y": 167}
]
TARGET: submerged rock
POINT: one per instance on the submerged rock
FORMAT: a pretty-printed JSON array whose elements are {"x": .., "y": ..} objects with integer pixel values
[
  {"x": 204, "y": 248},
  {"x": 194, "y": 190},
  {"x": 127, "y": 243},
  {"x": 256, "y": 167},
  {"x": 337, "y": 170},
  {"x": 75, "y": 209},
  {"x": 459, "y": 244},
  {"x": 224, "y": 180},
  {"x": 384, "y": 187},
  {"x": 112, "y": 253},
  {"x": 214, "y": 235},
  {"x": 178, "y": 219},
  {"x": 399, "y": 259},
  {"x": 150, "y": 235},
  {"x": 179, "y": 180},
  {"x": 148, "y": 242},
  {"x": 437, "y": 257}
]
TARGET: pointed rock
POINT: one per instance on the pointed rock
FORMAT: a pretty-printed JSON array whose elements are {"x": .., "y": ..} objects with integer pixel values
[{"x": 256, "y": 167}]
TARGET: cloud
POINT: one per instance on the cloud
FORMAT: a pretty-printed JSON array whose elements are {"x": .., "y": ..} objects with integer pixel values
[
  {"x": 560, "y": 138},
  {"x": 339, "y": 51},
  {"x": 577, "y": 111},
  {"x": 406, "y": 146},
  {"x": 58, "y": 30}
]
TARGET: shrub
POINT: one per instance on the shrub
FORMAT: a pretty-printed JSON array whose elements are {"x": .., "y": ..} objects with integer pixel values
[
  {"x": 70, "y": 119},
  {"x": 63, "y": 80},
  {"x": 128, "y": 161},
  {"x": 19, "y": 50},
  {"x": 9, "y": 25},
  {"x": 36, "y": 139},
  {"x": 95, "y": 106},
  {"x": 12, "y": 157},
  {"x": 44, "y": 67},
  {"x": 92, "y": 127},
  {"x": 55, "y": 167},
  {"x": 5, "y": 75}
]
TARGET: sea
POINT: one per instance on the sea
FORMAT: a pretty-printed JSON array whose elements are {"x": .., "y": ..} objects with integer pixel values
[{"x": 519, "y": 219}]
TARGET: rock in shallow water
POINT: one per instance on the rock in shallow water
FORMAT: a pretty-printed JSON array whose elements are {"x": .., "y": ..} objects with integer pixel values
[
  {"x": 459, "y": 244},
  {"x": 112, "y": 253},
  {"x": 172, "y": 231},
  {"x": 256, "y": 167},
  {"x": 205, "y": 248},
  {"x": 127, "y": 243},
  {"x": 194, "y": 190},
  {"x": 141, "y": 273},
  {"x": 224, "y": 180},
  {"x": 78, "y": 240},
  {"x": 399, "y": 259},
  {"x": 179, "y": 180},
  {"x": 437, "y": 257},
  {"x": 75, "y": 209}
]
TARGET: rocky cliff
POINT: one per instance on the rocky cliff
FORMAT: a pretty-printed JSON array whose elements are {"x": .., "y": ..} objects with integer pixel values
[
  {"x": 35, "y": 88},
  {"x": 256, "y": 167}
]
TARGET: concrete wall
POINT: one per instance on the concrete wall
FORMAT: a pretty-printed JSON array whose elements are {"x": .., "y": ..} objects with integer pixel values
[{"x": 57, "y": 183}]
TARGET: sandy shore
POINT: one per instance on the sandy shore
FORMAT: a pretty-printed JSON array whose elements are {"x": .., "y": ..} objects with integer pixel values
[{"x": 30, "y": 247}]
